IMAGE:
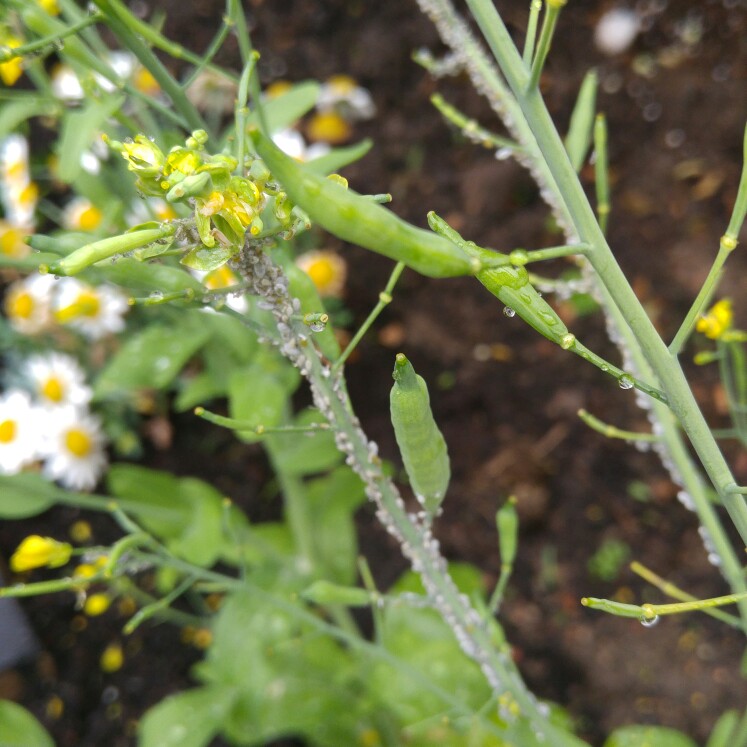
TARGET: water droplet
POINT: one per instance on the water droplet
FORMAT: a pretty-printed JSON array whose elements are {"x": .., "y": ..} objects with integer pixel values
[
  {"x": 156, "y": 295},
  {"x": 649, "y": 622},
  {"x": 503, "y": 154},
  {"x": 509, "y": 312},
  {"x": 605, "y": 368},
  {"x": 626, "y": 381},
  {"x": 317, "y": 326},
  {"x": 568, "y": 341}
]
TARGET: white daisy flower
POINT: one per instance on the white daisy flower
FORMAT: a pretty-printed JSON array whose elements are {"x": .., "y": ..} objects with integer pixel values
[
  {"x": 74, "y": 448},
  {"x": 80, "y": 214},
  {"x": 291, "y": 141},
  {"x": 66, "y": 85},
  {"x": 18, "y": 193},
  {"x": 92, "y": 311},
  {"x": 19, "y": 431},
  {"x": 224, "y": 277},
  {"x": 342, "y": 94},
  {"x": 28, "y": 304},
  {"x": 57, "y": 380}
]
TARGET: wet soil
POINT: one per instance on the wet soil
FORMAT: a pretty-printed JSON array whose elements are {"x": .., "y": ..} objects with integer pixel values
[{"x": 505, "y": 398}]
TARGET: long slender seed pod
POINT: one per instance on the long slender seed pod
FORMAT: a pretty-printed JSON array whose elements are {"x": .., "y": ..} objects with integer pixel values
[
  {"x": 420, "y": 442},
  {"x": 360, "y": 221}
]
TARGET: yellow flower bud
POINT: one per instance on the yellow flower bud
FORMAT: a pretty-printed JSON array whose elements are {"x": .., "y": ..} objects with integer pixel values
[
  {"x": 96, "y": 605},
  {"x": 717, "y": 321},
  {"x": 112, "y": 658},
  {"x": 40, "y": 552}
]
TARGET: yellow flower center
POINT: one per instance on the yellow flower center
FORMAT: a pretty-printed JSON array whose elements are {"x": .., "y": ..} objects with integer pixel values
[
  {"x": 342, "y": 84},
  {"x": 19, "y": 305},
  {"x": 329, "y": 128},
  {"x": 89, "y": 218},
  {"x": 145, "y": 82},
  {"x": 8, "y": 430},
  {"x": 86, "y": 304},
  {"x": 322, "y": 273},
  {"x": 11, "y": 240},
  {"x": 53, "y": 389},
  {"x": 11, "y": 70},
  {"x": 78, "y": 443},
  {"x": 220, "y": 278}
]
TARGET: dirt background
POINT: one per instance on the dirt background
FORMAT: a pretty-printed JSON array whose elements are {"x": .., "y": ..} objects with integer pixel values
[{"x": 505, "y": 398}]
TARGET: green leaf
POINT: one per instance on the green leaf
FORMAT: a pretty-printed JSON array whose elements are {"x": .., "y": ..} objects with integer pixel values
[
  {"x": 198, "y": 390},
  {"x": 151, "y": 496},
  {"x": 724, "y": 730},
  {"x": 205, "y": 258},
  {"x": 188, "y": 719},
  {"x": 648, "y": 736},
  {"x": 339, "y": 157},
  {"x": 201, "y": 541},
  {"x": 146, "y": 277},
  {"x": 332, "y": 501},
  {"x": 578, "y": 139},
  {"x": 283, "y": 110},
  {"x": 233, "y": 336},
  {"x": 300, "y": 454},
  {"x": 26, "y": 494},
  {"x": 22, "y": 108},
  {"x": 258, "y": 396},
  {"x": 80, "y": 129},
  {"x": 18, "y": 728},
  {"x": 152, "y": 358}
]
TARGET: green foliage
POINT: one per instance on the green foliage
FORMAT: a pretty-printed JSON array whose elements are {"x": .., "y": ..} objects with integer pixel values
[
  {"x": 648, "y": 736},
  {"x": 20, "y": 728}
]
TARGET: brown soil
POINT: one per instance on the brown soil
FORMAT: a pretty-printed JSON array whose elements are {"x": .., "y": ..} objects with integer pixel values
[{"x": 510, "y": 420}]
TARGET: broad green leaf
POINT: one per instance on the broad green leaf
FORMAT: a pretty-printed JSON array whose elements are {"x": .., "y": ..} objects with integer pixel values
[
  {"x": 723, "y": 731},
  {"x": 234, "y": 336},
  {"x": 18, "y": 728},
  {"x": 339, "y": 157},
  {"x": 22, "y": 108},
  {"x": 283, "y": 110},
  {"x": 198, "y": 390},
  {"x": 152, "y": 496},
  {"x": 648, "y": 736},
  {"x": 256, "y": 396},
  {"x": 201, "y": 541},
  {"x": 80, "y": 129},
  {"x": 26, "y": 494},
  {"x": 300, "y": 454},
  {"x": 332, "y": 501},
  {"x": 152, "y": 358},
  {"x": 146, "y": 277},
  {"x": 188, "y": 719},
  {"x": 579, "y": 135}
]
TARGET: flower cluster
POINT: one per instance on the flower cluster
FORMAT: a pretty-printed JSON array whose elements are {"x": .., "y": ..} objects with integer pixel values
[
  {"x": 39, "y": 552},
  {"x": 49, "y": 422},
  {"x": 718, "y": 323},
  {"x": 40, "y": 303},
  {"x": 225, "y": 206},
  {"x": 18, "y": 196}
]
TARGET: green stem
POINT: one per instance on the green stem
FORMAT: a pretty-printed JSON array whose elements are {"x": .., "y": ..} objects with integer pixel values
[
  {"x": 675, "y": 592},
  {"x": 552, "y": 252},
  {"x": 246, "y": 425},
  {"x": 611, "y": 431},
  {"x": 649, "y": 612},
  {"x": 121, "y": 23},
  {"x": 8, "y": 53},
  {"x": 664, "y": 365},
  {"x": 552, "y": 11},
  {"x": 601, "y": 171},
  {"x": 385, "y": 298},
  {"x": 535, "y": 6},
  {"x": 157, "y": 607}
]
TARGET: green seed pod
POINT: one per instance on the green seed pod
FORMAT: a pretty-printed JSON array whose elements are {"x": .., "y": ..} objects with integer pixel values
[
  {"x": 511, "y": 285},
  {"x": 507, "y": 523},
  {"x": 420, "y": 442},
  {"x": 325, "y": 592},
  {"x": 361, "y": 221}
]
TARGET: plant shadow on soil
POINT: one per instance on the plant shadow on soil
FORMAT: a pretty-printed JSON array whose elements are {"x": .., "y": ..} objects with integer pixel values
[{"x": 507, "y": 399}]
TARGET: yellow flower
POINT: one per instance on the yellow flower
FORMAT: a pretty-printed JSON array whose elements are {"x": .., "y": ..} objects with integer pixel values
[
  {"x": 112, "y": 658},
  {"x": 40, "y": 552},
  {"x": 326, "y": 269},
  {"x": 50, "y": 6},
  {"x": 12, "y": 69},
  {"x": 96, "y": 605},
  {"x": 328, "y": 127},
  {"x": 717, "y": 321},
  {"x": 12, "y": 242},
  {"x": 278, "y": 88}
]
